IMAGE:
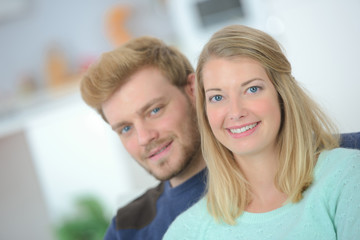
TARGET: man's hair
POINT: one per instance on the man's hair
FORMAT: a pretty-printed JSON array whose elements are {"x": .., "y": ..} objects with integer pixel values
[
  {"x": 305, "y": 131},
  {"x": 114, "y": 68}
]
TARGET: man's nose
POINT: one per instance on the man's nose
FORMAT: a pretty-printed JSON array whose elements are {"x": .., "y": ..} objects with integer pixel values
[{"x": 145, "y": 134}]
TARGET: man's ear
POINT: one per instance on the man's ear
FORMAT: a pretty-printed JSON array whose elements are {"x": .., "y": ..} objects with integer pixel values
[{"x": 190, "y": 86}]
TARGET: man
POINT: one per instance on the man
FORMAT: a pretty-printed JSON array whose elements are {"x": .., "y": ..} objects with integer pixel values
[{"x": 145, "y": 91}]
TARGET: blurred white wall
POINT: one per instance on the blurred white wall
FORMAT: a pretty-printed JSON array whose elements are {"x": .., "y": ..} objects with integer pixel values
[
  {"x": 320, "y": 38},
  {"x": 75, "y": 154},
  {"x": 21, "y": 197}
]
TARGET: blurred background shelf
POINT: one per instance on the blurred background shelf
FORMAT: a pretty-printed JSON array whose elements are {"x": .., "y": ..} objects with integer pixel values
[{"x": 15, "y": 111}]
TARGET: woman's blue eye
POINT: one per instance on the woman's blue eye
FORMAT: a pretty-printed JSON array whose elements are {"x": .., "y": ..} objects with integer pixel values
[
  {"x": 216, "y": 98},
  {"x": 253, "y": 89},
  {"x": 155, "y": 110},
  {"x": 125, "y": 129}
]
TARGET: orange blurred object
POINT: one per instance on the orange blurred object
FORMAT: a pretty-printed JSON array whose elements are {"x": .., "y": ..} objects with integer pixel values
[
  {"x": 115, "y": 25},
  {"x": 56, "y": 67},
  {"x": 58, "y": 72}
]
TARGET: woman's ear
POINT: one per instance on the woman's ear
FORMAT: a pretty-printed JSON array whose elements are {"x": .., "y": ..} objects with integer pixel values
[{"x": 190, "y": 86}]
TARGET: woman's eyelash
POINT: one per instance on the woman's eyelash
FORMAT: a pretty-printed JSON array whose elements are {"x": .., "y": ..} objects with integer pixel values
[
  {"x": 254, "y": 89},
  {"x": 215, "y": 98}
]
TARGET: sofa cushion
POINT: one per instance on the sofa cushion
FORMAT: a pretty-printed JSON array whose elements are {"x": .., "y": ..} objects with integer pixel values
[{"x": 350, "y": 140}]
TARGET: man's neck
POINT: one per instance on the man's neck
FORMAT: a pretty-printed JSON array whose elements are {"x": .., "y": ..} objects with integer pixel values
[{"x": 195, "y": 166}]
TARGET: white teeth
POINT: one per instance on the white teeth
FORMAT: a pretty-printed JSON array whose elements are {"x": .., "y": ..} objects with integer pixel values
[{"x": 243, "y": 129}]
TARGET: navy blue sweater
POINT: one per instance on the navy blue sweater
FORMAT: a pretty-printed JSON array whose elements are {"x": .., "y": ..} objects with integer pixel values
[{"x": 149, "y": 216}]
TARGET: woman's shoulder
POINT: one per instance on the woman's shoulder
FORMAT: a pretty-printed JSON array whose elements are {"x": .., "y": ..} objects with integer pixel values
[
  {"x": 337, "y": 166},
  {"x": 339, "y": 158},
  {"x": 189, "y": 220},
  {"x": 197, "y": 210},
  {"x": 338, "y": 182},
  {"x": 195, "y": 213}
]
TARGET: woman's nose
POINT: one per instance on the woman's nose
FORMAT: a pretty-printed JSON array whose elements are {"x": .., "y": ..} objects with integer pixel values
[{"x": 237, "y": 109}]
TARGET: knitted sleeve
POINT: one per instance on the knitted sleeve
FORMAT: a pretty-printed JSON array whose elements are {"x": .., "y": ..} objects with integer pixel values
[{"x": 347, "y": 216}]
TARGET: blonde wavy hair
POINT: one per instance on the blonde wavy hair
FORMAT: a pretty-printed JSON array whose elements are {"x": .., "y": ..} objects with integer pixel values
[
  {"x": 114, "y": 68},
  {"x": 305, "y": 130}
]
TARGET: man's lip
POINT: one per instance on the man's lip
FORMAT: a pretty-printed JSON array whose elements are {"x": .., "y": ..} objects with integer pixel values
[{"x": 159, "y": 149}]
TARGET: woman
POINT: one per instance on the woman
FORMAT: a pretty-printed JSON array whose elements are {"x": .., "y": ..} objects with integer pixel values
[{"x": 275, "y": 169}]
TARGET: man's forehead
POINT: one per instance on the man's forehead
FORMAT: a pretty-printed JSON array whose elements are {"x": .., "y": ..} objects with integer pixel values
[
  {"x": 120, "y": 108},
  {"x": 142, "y": 89}
]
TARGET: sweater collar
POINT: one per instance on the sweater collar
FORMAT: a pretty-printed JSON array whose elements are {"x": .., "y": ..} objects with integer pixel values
[{"x": 197, "y": 179}]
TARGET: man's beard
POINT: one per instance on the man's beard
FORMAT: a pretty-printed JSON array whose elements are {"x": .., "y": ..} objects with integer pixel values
[{"x": 191, "y": 149}]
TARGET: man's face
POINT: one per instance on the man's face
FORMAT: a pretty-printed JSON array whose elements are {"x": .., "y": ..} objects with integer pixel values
[{"x": 156, "y": 122}]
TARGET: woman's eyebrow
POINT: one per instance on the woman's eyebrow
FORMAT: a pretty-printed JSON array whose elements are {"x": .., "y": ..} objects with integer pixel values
[
  {"x": 242, "y": 85},
  {"x": 250, "y": 81},
  {"x": 213, "y": 89}
]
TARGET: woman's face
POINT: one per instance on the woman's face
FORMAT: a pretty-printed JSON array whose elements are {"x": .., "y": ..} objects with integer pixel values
[{"x": 242, "y": 106}]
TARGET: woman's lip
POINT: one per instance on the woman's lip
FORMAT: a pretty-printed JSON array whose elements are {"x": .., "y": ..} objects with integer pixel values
[
  {"x": 243, "y": 130},
  {"x": 243, "y": 126}
]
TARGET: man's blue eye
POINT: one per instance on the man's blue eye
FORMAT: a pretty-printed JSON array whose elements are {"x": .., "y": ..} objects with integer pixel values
[
  {"x": 253, "y": 89},
  {"x": 125, "y": 129},
  {"x": 216, "y": 98},
  {"x": 155, "y": 110}
]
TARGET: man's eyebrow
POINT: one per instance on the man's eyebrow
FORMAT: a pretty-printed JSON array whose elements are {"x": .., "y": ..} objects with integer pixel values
[
  {"x": 242, "y": 85},
  {"x": 148, "y": 105},
  {"x": 140, "y": 111},
  {"x": 118, "y": 125}
]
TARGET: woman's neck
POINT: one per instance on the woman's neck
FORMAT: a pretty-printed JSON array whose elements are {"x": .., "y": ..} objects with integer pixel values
[{"x": 260, "y": 171}]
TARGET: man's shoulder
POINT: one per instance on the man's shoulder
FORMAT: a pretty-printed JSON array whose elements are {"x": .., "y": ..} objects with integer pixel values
[{"x": 141, "y": 211}]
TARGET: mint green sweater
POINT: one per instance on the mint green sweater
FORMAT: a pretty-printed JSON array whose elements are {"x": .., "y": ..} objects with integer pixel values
[{"x": 329, "y": 210}]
